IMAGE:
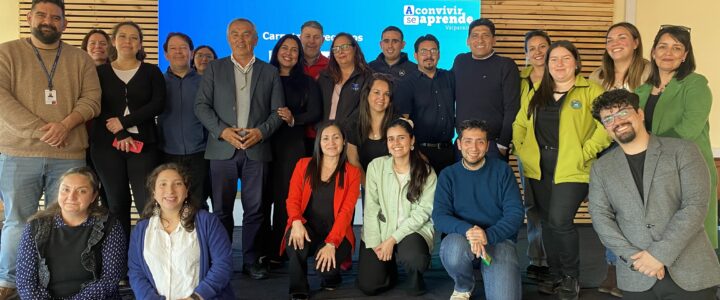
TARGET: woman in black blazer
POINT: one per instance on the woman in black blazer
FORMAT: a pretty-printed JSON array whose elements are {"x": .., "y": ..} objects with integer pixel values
[{"x": 123, "y": 139}]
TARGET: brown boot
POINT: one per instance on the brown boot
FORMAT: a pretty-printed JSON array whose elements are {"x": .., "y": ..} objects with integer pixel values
[{"x": 609, "y": 285}]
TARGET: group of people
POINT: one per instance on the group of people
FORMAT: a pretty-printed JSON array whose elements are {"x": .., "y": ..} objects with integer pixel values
[{"x": 309, "y": 135}]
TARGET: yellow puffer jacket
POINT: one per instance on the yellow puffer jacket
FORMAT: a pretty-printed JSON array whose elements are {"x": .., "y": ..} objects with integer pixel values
[{"x": 581, "y": 137}]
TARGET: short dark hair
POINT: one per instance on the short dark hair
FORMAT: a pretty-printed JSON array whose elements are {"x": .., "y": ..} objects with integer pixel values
[
  {"x": 59, "y": 3},
  {"x": 192, "y": 61},
  {"x": 614, "y": 99},
  {"x": 482, "y": 22},
  {"x": 185, "y": 37},
  {"x": 393, "y": 28},
  {"x": 533, "y": 33},
  {"x": 687, "y": 66},
  {"x": 427, "y": 37},
  {"x": 312, "y": 24},
  {"x": 472, "y": 124}
]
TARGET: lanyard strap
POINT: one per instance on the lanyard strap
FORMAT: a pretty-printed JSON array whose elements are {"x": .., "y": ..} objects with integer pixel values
[{"x": 50, "y": 74}]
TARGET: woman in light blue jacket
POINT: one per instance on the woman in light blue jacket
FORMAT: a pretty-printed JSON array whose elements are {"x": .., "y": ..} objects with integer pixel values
[{"x": 399, "y": 191}]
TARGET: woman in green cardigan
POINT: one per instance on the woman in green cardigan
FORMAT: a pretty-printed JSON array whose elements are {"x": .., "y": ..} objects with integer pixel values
[
  {"x": 399, "y": 193},
  {"x": 677, "y": 102}
]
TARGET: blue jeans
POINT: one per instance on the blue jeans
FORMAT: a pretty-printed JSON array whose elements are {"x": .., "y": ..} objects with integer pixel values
[
  {"x": 22, "y": 182},
  {"x": 501, "y": 278},
  {"x": 610, "y": 257}
]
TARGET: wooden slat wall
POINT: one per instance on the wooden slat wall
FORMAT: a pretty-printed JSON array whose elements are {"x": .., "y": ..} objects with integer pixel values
[
  {"x": 84, "y": 15},
  {"x": 582, "y": 22}
]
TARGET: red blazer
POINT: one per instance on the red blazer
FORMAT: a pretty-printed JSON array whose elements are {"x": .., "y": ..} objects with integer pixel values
[{"x": 344, "y": 202}]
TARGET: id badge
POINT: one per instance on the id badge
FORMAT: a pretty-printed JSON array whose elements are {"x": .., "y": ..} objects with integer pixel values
[{"x": 50, "y": 97}]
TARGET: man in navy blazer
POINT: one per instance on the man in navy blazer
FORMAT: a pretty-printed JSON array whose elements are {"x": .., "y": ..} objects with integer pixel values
[
  {"x": 237, "y": 102},
  {"x": 648, "y": 200}
]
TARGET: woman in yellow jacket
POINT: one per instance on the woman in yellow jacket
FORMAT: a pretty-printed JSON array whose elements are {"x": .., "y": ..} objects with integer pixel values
[
  {"x": 557, "y": 140},
  {"x": 537, "y": 43}
]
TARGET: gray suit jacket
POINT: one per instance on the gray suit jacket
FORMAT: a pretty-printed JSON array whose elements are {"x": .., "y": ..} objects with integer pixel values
[
  {"x": 215, "y": 106},
  {"x": 668, "y": 222}
]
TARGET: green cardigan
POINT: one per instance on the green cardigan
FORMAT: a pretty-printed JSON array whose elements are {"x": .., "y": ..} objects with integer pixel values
[
  {"x": 383, "y": 196},
  {"x": 581, "y": 136},
  {"x": 683, "y": 111}
]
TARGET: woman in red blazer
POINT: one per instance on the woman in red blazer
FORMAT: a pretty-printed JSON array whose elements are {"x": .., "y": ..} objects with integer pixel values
[{"x": 323, "y": 191}]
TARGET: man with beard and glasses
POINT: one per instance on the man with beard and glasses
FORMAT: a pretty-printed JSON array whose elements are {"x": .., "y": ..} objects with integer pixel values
[
  {"x": 648, "y": 200},
  {"x": 48, "y": 90},
  {"x": 428, "y": 98},
  {"x": 478, "y": 206}
]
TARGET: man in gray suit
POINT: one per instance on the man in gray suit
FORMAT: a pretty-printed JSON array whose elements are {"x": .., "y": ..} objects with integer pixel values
[
  {"x": 237, "y": 102},
  {"x": 648, "y": 200}
]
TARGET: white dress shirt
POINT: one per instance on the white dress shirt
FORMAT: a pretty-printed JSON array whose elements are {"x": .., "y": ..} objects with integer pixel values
[{"x": 173, "y": 259}]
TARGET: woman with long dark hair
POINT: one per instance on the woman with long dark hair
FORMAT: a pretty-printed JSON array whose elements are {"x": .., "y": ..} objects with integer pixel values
[
  {"x": 343, "y": 80},
  {"x": 177, "y": 250},
  {"x": 537, "y": 43},
  {"x": 302, "y": 106},
  {"x": 399, "y": 194},
  {"x": 320, "y": 205},
  {"x": 677, "y": 103},
  {"x": 557, "y": 122},
  {"x": 369, "y": 125},
  {"x": 124, "y": 139}
]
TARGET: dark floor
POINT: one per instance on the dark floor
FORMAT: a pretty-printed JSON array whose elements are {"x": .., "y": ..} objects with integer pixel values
[{"x": 439, "y": 284}]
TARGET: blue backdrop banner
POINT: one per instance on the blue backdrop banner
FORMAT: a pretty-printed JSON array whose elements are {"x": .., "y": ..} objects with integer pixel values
[{"x": 206, "y": 22}]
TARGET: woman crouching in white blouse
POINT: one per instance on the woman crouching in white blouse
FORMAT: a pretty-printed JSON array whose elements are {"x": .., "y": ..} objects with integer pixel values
[{"x": 171, "y": 256}]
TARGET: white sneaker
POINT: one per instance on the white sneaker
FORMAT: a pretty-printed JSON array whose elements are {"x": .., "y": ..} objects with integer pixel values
[{"x": 460, "y": 295}]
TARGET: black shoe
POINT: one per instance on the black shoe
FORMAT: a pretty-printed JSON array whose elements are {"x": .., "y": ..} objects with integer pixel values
[
  {"x": 569, "y": 289},
  {"x": 538, "y": 272},
  {"x": 255, "y": 270},
  {"x": 299, "y": 296},
  {"x": 549, "y": 286}
]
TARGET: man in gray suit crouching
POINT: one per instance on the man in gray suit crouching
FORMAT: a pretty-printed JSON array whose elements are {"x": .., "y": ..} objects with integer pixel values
[{"x": 648, "y": 200}]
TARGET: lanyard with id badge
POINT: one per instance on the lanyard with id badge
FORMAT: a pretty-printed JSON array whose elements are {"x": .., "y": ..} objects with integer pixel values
[{"x": 50, "y": 92}]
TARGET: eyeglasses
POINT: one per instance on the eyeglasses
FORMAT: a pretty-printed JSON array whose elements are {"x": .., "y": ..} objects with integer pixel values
[
  {"x": 206, "y": 56},
  {"x": 683, "y": 28},
  {"x": 426, "y": 52},
  {"x": 343, "y": 48},
  {"x": 621, "y": 114}
]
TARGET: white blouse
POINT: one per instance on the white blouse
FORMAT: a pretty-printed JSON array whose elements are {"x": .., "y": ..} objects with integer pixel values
[{"x": 173, "y": 259}]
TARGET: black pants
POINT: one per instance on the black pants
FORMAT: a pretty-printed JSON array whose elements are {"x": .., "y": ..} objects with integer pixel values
[
  {"x": 667, "y": 289},
  {"x": 199, "y": 170},
  {"x": 298, "y": 265},
  {"x": 225, "y": 174},
  {"x": 557, "y": 204},
  {"x": 91, "y": 165},
  {"x": 439, "y": 158},
  {"x": 116, "y": 170},
  {"x": 375, "y": 276}
]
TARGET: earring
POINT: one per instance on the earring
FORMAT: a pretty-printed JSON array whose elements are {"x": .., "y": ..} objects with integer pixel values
[
  {"x": 412, "y": 147},
  {"x": 683, "y": 60},
  {"x": 156, "y": 209},
  {"x": 185, "y": 211}
]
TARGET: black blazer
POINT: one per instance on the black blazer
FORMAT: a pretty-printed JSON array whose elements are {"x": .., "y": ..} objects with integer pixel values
[
  {"x": 144, "y": 95},
  {"x": 349, "y": 96}
]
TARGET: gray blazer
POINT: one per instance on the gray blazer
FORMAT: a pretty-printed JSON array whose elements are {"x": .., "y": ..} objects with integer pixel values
[
  {"x": 668, "y": 222},
  {"x": 215, "y": 106}
]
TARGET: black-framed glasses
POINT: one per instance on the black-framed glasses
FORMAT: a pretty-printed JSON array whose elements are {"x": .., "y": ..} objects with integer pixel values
[
  {"x": 683, "y": 28},
  {"x": 621, "y": 114},
  {"x": 343, "y": 47}
]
